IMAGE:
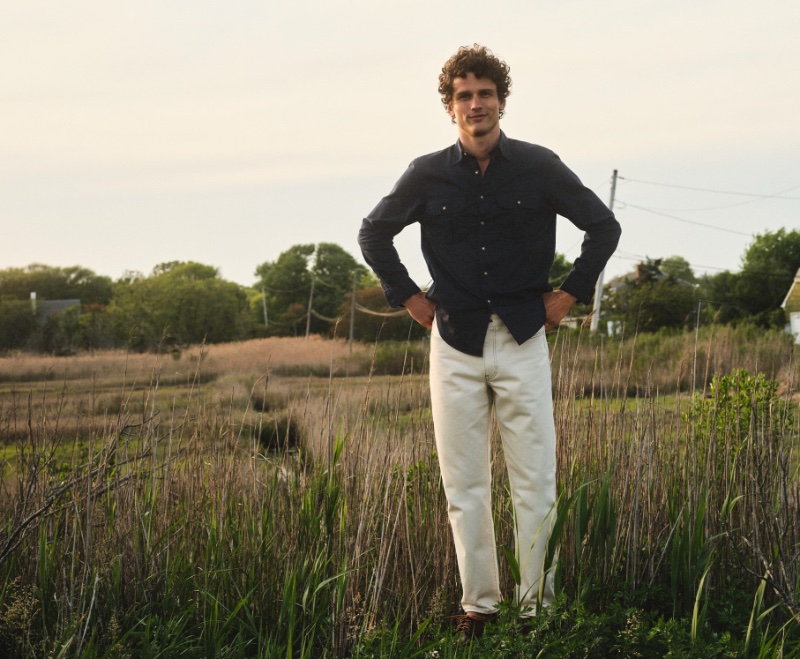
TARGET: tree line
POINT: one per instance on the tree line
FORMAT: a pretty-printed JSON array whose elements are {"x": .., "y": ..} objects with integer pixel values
[
  {"x": 307, "y": 289},
  {"x": 665, "y": 292},
  {"x": 322, "y": 289}
]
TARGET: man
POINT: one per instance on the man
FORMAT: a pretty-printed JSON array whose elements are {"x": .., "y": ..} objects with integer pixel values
[{"x": 487, "y": 210}]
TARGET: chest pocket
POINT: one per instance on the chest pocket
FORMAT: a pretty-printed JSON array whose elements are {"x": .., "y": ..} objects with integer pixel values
[
  {"x": 451, "y": 220},
  {"x": 519, "y": 210},
  {"x": 524, "y": 201}
]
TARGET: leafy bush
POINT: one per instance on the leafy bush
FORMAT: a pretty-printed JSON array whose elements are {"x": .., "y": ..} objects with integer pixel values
[
  {"x": 400, "y": 357},
  {"x": 17, "y": 323}
]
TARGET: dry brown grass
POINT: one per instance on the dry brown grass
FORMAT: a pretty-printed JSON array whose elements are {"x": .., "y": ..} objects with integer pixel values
[
  {"x": 262, "y": 355},
  {"x": 258, "y": 383},
  {"x": 257, "y": 356}
]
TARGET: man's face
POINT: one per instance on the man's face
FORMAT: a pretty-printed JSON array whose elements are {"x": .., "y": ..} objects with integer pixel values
[{"x": 475, "y": 106}]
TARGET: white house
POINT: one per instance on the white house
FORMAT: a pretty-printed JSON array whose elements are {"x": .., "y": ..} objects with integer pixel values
[{"x": 791, "y": 307}]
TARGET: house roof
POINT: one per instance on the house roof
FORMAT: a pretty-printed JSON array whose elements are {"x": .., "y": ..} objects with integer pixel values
[
  {"x": 792, "y": 300},
  {"x": 46, "y": 308}
]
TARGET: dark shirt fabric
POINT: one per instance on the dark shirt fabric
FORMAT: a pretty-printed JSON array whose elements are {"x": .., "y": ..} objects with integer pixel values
[{"x": 488, "y": 240}]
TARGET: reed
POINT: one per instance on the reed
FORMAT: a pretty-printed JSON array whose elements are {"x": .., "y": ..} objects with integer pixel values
[{"x": 237, "y": 509}]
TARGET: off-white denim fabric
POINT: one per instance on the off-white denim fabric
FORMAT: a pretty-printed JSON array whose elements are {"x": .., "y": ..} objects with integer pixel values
[{"x": 516, "y": 380}]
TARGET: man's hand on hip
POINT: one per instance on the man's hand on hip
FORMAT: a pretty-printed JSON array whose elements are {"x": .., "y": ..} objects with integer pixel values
[
  {"x": 421, "y": 309},
  {"x": 557, "y": 305}
]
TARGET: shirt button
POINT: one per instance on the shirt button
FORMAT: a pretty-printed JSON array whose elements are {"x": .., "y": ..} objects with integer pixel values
[
  {"x": 444, "y": 208},
  {"x": 482, "y": 222},
  {"x": 488, "y": 301},
  {"x": 477, "y": 171},
  {"x": 483, "y": 249},
  {"x": 481, "y": 196},
  {"x": 485, "y": 274},
  {"x": 519, "y": 202}
]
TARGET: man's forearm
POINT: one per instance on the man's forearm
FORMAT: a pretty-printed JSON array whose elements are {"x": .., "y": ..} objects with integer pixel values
[
  {"x": 598, "y": 246},
  {"x": 380, "y": 254}
]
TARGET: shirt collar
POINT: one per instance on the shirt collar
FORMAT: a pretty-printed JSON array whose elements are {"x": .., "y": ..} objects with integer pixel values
[{"x": 457, "y": 153}]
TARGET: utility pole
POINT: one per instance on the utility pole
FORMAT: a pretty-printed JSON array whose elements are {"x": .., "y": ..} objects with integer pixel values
[
  {"x": 264, "y": 302},
  {"x": 308, "y": 312},
  {"x": 598, "y": 291},
  {"x": 313, "y": 258},
  {"x": 352, "y": 313}
]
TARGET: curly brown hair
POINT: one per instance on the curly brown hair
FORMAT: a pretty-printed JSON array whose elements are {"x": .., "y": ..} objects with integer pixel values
[{"x": 481, "y": 62}]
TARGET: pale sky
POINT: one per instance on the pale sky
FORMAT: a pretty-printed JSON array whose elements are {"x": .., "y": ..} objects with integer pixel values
[{"x": 134, "y": 133}]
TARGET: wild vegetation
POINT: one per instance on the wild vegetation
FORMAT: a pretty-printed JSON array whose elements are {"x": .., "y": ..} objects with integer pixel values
[
  {"x": 321, "y": 289},
  {"x": 281, "y": 498}
]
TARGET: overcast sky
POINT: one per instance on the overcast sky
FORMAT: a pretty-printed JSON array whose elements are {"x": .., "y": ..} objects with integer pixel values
[{"x": 134, "y": 133}]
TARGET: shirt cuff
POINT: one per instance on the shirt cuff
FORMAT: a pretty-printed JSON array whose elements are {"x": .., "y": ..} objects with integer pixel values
[
  {"x": 396, "y": 295},
  {"x": 581, "y": 290}
]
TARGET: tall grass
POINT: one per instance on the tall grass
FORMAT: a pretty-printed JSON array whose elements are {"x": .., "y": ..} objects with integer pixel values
[{"x": 252, "y": 511}]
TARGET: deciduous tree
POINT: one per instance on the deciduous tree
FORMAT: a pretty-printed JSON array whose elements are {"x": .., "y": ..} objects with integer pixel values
[
  {"x": 180, "y": 303},
  {"x": 768, "y": 269},
  {"x": 17, "y": 323},
  {"x": 52, "y": 283},
  {"x": 288, "y": 280},
  {"x": 653, "y": 299}
]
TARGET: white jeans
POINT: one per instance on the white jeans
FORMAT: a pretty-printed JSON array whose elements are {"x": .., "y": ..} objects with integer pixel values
[{"x": 516, "y": 380}]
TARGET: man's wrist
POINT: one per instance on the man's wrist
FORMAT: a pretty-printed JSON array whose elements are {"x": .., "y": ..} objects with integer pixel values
[{"x": 411, "y": 297}]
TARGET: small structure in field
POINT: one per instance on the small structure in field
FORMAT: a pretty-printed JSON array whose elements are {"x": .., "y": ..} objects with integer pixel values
[
  {"x": 791, "y": 307},
  {"x": 43, "y": 309}
]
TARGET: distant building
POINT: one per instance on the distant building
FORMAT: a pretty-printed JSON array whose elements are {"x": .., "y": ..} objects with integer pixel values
[
  {"x": 573, "y": 322},
  {"x": 43, "y": 309},
  {"x": 791, "y": 307}
]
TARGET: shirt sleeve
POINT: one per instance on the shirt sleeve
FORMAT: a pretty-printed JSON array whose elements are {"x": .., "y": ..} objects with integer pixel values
[
  {"x": 393, "y": 213},
  {"x": 574, "y": 201}
]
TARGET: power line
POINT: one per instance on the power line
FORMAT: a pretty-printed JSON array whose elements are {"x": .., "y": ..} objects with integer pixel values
[
  {"x": 761, "y": 273},
  {"x": 641, "y": 259},
  {"x": 328, "y": 284},
  {"x": 280, "y": 291},
  {"x": 770, "y": 275},
  {"x": 386, "y": 314},
  {"x": 712, "y": 208},
  {"x": 753, "y": 197},
  {"x": 777, "y": 195},
  {"x": 681, "y": 219}
]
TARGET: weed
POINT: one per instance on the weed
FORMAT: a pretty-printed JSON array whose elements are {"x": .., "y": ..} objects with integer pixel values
[{"x": 154, "y": 507}]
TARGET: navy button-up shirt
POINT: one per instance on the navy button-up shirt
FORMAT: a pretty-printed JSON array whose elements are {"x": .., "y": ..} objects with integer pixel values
[{"x": 488, "y": 240}]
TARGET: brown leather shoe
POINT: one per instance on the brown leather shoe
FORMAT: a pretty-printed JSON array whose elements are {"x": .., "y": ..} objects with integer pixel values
[{"x": 471, "y": 624}]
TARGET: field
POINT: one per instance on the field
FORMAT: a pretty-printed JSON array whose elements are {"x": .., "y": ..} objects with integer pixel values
[{"x": 281, "y": 498}]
